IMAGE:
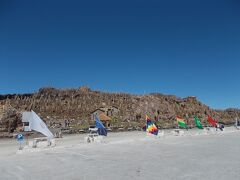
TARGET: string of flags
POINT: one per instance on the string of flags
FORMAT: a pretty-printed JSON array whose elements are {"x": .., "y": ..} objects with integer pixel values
[{"x": 151, "y": 128}]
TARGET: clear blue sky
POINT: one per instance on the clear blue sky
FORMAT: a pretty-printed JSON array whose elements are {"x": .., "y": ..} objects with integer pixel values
[{"x": 187, "y": 47}]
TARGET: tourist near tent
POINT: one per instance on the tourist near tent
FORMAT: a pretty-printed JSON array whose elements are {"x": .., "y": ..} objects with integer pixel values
[
  {"x": 181, "y": 122},
  {"x": 36, "y": 123},
  {"x": 198, "y": 122},
  {"x": 151, "y": 127},
  {"x": 101, "y": 129},
  {"x": 212, "y": 122}
]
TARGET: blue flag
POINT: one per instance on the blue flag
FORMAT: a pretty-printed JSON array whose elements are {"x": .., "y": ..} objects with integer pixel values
[{"x": 101, "y": 129}]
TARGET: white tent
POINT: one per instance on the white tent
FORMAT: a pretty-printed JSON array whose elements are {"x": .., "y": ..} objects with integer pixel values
[{"x": 36, "y": 123}]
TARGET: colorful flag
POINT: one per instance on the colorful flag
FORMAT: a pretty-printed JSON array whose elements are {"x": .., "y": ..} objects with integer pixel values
[
  {"x": 101, "y": 129},
  {"x": 181, "y": 122},
  {"x": 198, "y": 122},
  {"x": 151, "y": 127}
]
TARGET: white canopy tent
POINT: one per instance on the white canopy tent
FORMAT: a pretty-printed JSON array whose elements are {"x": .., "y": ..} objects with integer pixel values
[{"x": 35, "y": 123}]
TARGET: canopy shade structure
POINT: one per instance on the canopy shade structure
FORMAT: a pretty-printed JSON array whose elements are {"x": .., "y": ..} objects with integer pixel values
[{"x": 36, "y": 123}]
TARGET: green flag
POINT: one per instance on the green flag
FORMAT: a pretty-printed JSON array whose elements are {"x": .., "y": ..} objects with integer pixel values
[{"x": 198, "y": 122}]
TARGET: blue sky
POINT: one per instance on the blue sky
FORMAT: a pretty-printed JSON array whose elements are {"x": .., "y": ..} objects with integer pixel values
[{"x": 173, "y": 47}]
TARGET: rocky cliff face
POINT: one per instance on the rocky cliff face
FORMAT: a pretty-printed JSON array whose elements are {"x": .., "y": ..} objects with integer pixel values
[{"x": 77, "y": 105}]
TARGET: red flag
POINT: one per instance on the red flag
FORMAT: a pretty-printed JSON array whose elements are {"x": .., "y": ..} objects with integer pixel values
[{"x": 212, "y": 121}]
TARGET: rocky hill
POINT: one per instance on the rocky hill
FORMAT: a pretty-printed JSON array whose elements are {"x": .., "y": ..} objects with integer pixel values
[{"x": 77, "y": 105}]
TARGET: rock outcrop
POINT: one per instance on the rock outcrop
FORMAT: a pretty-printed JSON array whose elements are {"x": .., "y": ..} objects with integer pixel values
[
  {"x": 77, "y": 105},
  {"x": 10, "y": 118}
]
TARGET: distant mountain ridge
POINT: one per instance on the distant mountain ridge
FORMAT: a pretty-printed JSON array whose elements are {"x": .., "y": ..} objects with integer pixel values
[{"x": 77, "y": 105}]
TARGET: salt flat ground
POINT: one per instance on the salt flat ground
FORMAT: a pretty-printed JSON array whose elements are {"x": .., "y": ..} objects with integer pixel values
[{"x": 128, "y": 155}]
